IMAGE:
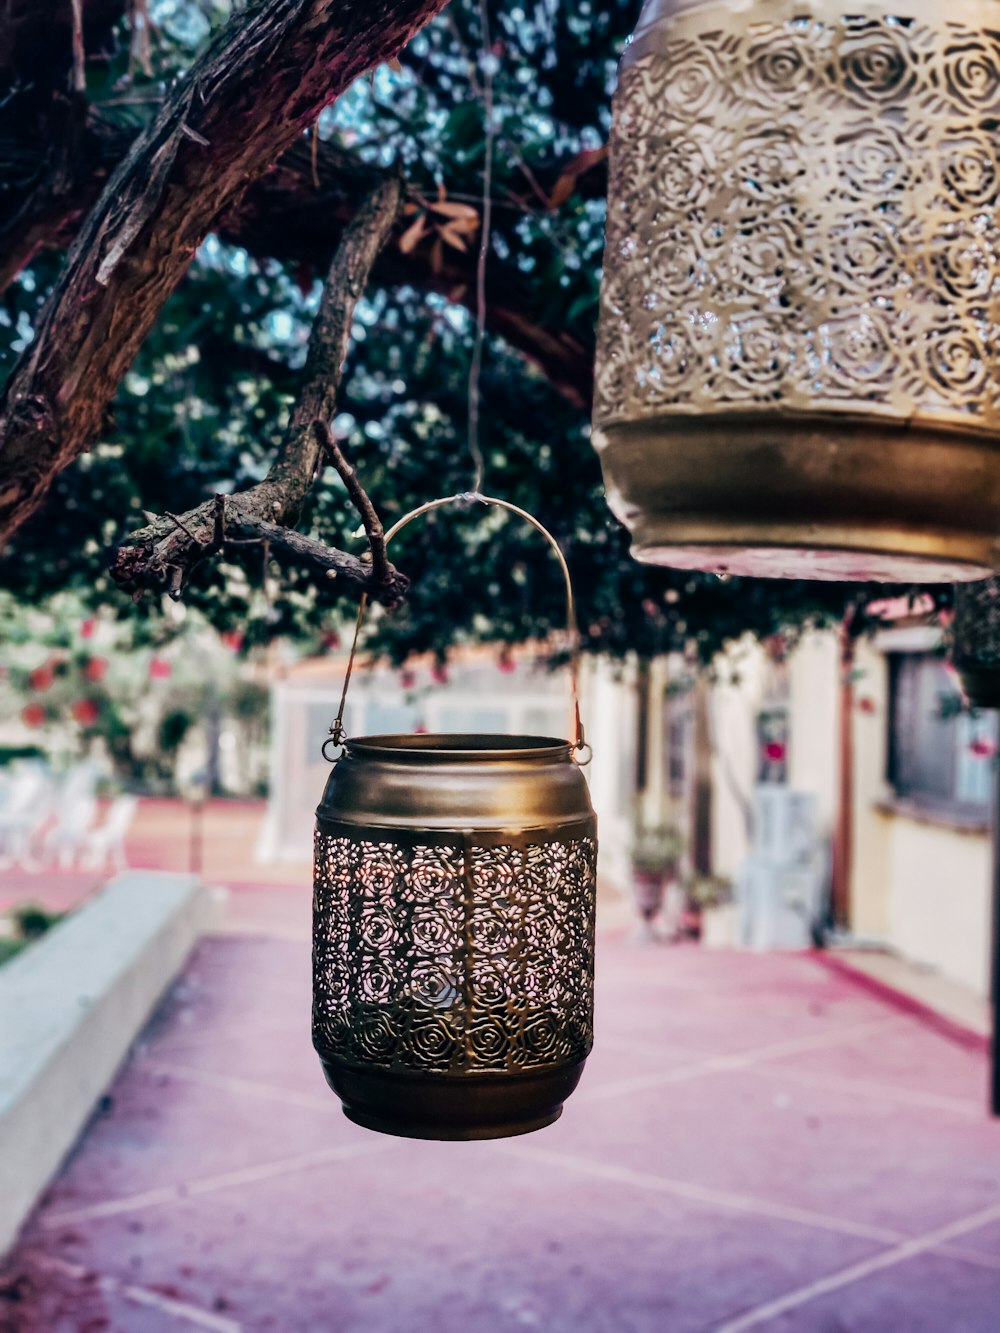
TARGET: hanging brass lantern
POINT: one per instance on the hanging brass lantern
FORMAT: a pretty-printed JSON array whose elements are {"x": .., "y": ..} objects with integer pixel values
[
  {"x": 453, "y": 927},
  {"x": 975, "y": 652},
  {"x": 798, "y": 367}
]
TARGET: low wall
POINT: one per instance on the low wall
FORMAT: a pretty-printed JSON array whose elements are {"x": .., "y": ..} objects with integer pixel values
[{"x": 71, "y": 1006}]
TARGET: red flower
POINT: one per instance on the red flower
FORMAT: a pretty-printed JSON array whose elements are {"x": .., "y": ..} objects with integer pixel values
[
  {"x": 331, "y": 640},
  {"x": 982, "y": 748},
  {"x": 775, "y": 751},
  {"x": 87, "y": 627},
  {"x": 407, "y": 678},
  {"x": 33, "y": 715},
  {"x": 232, "y": 639},
  {"x": 96, "y": 669},
  {"x": 42, "y": 677},
  {"x": 159, "y": 668},
  {"x": 86, "y": 712},
  {"x": 439, "y": 673}
]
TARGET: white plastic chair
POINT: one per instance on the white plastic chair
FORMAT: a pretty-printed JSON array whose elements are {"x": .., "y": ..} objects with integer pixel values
[
  {"x": 26, "y": 805},
  {"x": 106, "y": 843},
  {"x": 74, "y": 818}
]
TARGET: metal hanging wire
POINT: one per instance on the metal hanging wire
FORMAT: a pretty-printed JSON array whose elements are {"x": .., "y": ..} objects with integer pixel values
[
  {"x": 486, "y": 59},
  {"x": 578, "y": 740},
  {"x": 582, "y": 750}
]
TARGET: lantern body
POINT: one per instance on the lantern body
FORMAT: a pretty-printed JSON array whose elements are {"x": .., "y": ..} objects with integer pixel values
[
  {"x": 798, "y": 368},
  {"x": 454, "y": 933},
  {"x": 976, "y": 642}
]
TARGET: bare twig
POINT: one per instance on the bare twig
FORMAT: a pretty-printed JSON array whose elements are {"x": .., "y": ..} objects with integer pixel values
[{"x": 359, "y": 498}]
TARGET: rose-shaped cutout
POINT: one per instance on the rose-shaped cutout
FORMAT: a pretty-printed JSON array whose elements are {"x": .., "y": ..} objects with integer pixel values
[
  {"x": 873, "y": 161},
  {"x": 963, "y": 265},
  {"x": 677, "y": 270},
  {"x": 433, "y": 873},
  {"x": 495, "y": 870},
  {"x": 431, "y": 1042},
  {"x": 875, "y": 64},
  {"x": 493, "y": 982},
  {"x": 863, "y": 255},
  {"x": 434, "y": 984},
  {"x": 956, "y": 362},
  {"x": 685, "y": 178},
  {"x": 858, "y": 352},
  {"x": 377, "y": 929},
  {"x": 694, "y": 81},
  {"x": 768, "y": 163},
  {"x": 380, "y": 867},
  {"x": 541, "y": 1037},
  {"x": 968, "y": 170},
  {"x": 378, "y": 980},
  {"x": 436, "y": 929},
  {"x": 764, "y": 256},
  {"x": 972, "y": 73},
  {"x": 672, "y": 362},
  {"x": 488, "y": 1042},
  {"x": 375, "y": 1037},
  {"x": 493, "y": 932},
  {"x": 779, "y": 66},
  {"x": 758, "y": 351}
]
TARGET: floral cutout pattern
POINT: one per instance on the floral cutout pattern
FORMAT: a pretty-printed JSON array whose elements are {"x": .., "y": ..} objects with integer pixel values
[
  {"x": 456, "y": 958},
  {"x": 803, "y": 215}
]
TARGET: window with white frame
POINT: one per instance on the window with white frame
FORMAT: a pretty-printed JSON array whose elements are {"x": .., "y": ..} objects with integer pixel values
[{"x": 939, "y": 755}]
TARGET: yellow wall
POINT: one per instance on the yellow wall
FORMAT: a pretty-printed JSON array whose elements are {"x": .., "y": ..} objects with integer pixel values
[
  {"x": 939, "y": 898},
  {"x": 918, "y": 885}
]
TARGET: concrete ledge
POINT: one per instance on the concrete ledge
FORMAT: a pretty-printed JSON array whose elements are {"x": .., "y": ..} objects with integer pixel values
[{"x": 70, "y": 1008}]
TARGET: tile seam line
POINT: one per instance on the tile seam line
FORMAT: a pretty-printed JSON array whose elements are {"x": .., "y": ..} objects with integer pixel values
[
  {"x": 193, "y": 1314},
  {"x": 845, "y": 1277},
  {"x": 191, "y": 1189},
  {"x": 748, "y": 1204},
  {"x": 833, "y": 1082},
  {"x": 707, "y": 1196},
  {"x": 232, "y": 1083},
  {"x": 721, "y": 1064}
]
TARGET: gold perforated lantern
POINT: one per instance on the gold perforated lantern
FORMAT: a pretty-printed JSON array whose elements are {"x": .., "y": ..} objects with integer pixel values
[
  {"x": 453, "y": 928},
  {"x": 798, "y": 367}
]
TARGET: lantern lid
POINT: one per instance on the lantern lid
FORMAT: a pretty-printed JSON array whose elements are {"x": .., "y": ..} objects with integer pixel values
[
  {"x": 456, "y": 781},
  {"x": 457, "y": 747}
]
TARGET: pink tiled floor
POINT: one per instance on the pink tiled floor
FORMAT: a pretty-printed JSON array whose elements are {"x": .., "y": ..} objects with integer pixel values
[{"x": 757, "y": 1143}]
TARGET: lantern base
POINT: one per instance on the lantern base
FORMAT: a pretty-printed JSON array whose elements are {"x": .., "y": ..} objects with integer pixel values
[
  {"x": 818, "y": 497},
  {"x": 452, "y": 1106}
]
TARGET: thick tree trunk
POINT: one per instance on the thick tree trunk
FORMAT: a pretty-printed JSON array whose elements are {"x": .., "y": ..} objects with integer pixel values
[{"x": 239, "y": 107}]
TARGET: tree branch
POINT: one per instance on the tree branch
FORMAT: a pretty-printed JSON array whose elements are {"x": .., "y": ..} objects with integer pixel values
[
  {"x": 364, "y": 506},
  {"x": 163, "y": 555},
  {"x": 246, "y": 100},
  {"x": 285, "y": 215}
]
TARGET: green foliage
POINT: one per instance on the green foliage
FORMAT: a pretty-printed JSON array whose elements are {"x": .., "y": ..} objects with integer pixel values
[
  {"x": 205, "y": 404},
  {"x": 32, "y": 920},
  {"x": 29, "y": 922}
]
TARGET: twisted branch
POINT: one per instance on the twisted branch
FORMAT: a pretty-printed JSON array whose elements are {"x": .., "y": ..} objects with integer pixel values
[{"x": 163, "y": 555}]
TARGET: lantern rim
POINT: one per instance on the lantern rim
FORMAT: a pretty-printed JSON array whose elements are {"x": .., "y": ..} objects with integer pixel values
[{"x": 458, "y": 747}]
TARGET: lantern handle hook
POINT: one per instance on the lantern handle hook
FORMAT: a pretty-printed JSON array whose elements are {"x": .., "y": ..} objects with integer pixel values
[{"x": 581, "y": 750}]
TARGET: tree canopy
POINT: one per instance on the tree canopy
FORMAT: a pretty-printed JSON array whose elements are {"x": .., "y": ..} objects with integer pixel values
[{"x": 209, "y": 391}]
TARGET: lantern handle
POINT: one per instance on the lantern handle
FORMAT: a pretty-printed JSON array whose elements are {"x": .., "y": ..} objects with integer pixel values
[{"x": 581, "y": 749}]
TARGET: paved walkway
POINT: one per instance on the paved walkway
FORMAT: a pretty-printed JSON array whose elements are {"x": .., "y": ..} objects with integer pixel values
[{"x": 758, "y": 1142}]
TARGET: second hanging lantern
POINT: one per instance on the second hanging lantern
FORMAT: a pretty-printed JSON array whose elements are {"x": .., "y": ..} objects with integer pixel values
[
  {"x": 798, "y": 367},
  {"x": 453, "y": 925}
]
